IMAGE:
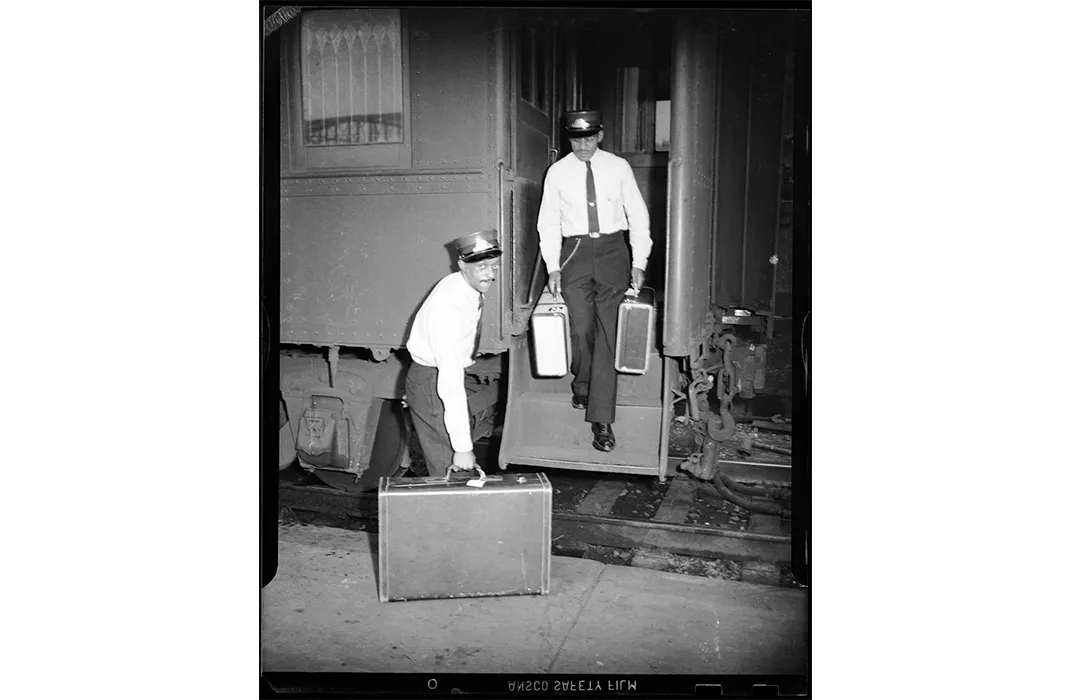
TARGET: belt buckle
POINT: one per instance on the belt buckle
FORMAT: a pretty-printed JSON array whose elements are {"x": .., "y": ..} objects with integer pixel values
[{"x": 594, "y": 234}]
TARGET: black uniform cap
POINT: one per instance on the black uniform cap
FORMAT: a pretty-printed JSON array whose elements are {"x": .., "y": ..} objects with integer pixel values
[
  {"x": 474, "y": 247},
  {"x": 584, "y": 122}
]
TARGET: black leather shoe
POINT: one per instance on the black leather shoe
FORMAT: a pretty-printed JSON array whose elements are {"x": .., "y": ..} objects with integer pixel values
[
  {"x": 604, "y": 437},
  {"x": 580, "y": 402}
]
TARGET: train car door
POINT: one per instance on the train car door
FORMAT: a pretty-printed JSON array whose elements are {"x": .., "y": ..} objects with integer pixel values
[
  {"x": 541, "y": 427},
  {"x": 536, "y": 105}
]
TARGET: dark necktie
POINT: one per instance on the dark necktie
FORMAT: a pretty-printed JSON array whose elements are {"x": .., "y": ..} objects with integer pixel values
[
  {"x": 479, "y": 324},
  {"x": 590, "y": 187}
]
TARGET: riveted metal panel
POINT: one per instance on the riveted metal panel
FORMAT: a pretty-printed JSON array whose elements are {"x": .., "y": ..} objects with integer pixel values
[
  {"x": 691, "y": 188},
  {"x": 412, "y": 183},
  {"x": 355, "y": 269},
  {"x": 385, "y": 379},
  {"x": 452, "y": 90}
]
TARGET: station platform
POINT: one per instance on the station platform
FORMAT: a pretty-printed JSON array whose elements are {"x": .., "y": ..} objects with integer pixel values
[{"x": 321, "y": 613}]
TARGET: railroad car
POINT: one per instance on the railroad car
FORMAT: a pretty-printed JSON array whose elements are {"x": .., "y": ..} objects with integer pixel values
[{"x": 402, "y": 128}]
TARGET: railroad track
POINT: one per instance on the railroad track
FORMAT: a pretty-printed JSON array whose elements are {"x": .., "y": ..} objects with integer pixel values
[{"x": 681, "y": 525}]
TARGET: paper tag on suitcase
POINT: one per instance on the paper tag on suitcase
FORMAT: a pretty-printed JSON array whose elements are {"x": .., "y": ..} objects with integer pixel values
[{"x": 478, "y": 483}]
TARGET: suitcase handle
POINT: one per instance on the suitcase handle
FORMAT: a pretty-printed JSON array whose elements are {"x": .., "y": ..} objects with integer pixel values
[
  {"x": 635, "y": 291},
  {"x": 483, "y": 476},
  {"x": 429, "y": 480}
]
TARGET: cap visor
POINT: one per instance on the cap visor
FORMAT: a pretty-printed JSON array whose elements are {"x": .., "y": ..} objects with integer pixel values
[{"x": 482, "y": 255}]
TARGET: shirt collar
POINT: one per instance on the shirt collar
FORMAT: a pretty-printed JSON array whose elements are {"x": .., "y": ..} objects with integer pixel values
[
  {"x": 472, "y": 295},
  {"x": 598, "y": 155}
]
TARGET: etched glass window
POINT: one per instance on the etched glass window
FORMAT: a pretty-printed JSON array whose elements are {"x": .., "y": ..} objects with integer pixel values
[{"x": 351, "y": 77}]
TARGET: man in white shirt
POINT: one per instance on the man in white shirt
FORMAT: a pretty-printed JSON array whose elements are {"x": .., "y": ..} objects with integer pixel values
[
  {"x": 442, "y": 343},
  {"x": 590, "y": 199}
]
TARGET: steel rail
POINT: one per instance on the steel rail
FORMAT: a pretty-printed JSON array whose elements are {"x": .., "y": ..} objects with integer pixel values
[{"x": 601, "y": 530}]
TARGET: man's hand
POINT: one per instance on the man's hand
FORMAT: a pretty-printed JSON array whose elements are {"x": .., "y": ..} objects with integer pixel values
[
  {"x": 554, "y": 283},
  {"x": 463, "y": 461},
  {"x": 638, "y": 278}
]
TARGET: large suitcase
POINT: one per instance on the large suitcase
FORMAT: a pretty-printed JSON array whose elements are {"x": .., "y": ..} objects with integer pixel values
[
  {"x": 636, "y": 326},
  {"x": 551, "y": 336},
  {"x": 442, "y": 538}
]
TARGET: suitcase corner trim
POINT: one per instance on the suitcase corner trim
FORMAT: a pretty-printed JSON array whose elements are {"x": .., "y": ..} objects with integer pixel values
[
  {"x": 381, "y": 538},
  {"x": 549, "y": 490}
]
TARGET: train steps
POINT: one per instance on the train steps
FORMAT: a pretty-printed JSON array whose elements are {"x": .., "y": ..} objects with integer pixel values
[{"x": 542, "y": 428}]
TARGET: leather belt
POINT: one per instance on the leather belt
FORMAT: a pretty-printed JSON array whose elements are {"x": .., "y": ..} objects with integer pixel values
[{"x": 595, "y": 235}]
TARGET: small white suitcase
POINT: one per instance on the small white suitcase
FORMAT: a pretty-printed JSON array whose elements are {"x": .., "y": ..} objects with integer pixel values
[{"x": 550, "y": 336}]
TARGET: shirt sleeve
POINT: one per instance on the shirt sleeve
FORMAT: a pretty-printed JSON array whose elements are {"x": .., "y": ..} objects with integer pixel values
[
  {"x": 446, "y": 339},
  {"x": 549, "y": 220},
  {"x": 637, "y": 215}
]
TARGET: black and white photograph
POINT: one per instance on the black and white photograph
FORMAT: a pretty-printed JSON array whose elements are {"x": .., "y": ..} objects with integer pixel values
[
  {"x": 413, "y": 350},
  {"x": 541, "y": 355}
]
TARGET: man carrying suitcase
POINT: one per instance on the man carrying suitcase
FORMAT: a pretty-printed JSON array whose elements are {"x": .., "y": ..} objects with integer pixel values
[
  {"x": 590, "y": 199},
  {"x": 442, "y": 343}
]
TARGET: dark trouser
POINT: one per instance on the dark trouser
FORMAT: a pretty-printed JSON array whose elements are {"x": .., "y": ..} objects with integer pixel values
[
  {"x": 426, "y": 409},
  {"x": 594, "y": 279}
]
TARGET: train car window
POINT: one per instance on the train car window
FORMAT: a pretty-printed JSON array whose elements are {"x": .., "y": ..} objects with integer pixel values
[
  {"x": 662, "y": 125},
  {"x": 662, "y": 100},
  {"x": 351, "y": 77},
  {"x": 630, "y": 138}
]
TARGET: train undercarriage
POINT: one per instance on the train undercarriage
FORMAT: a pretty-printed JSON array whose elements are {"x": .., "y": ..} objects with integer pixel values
[
  {"x": 343, "y": 416},
  {"x": 342, "y": 413}
]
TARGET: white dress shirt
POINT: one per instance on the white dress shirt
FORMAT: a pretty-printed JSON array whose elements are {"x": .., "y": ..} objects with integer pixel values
[
  {"x": 564, "y": 207},
  {"x": 443, "y": 335}
]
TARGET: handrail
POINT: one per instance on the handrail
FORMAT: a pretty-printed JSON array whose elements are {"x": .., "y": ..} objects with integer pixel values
[
  {"x": 672, "y": 164},
  {"x": 532, "y": 282},
  {"x": 501, "y": 165}
]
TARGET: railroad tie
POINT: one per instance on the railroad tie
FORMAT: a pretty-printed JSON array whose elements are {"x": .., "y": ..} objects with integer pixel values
[
  {"x": 677, "y": 501},
  {"x": 601, "y": 498}
]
